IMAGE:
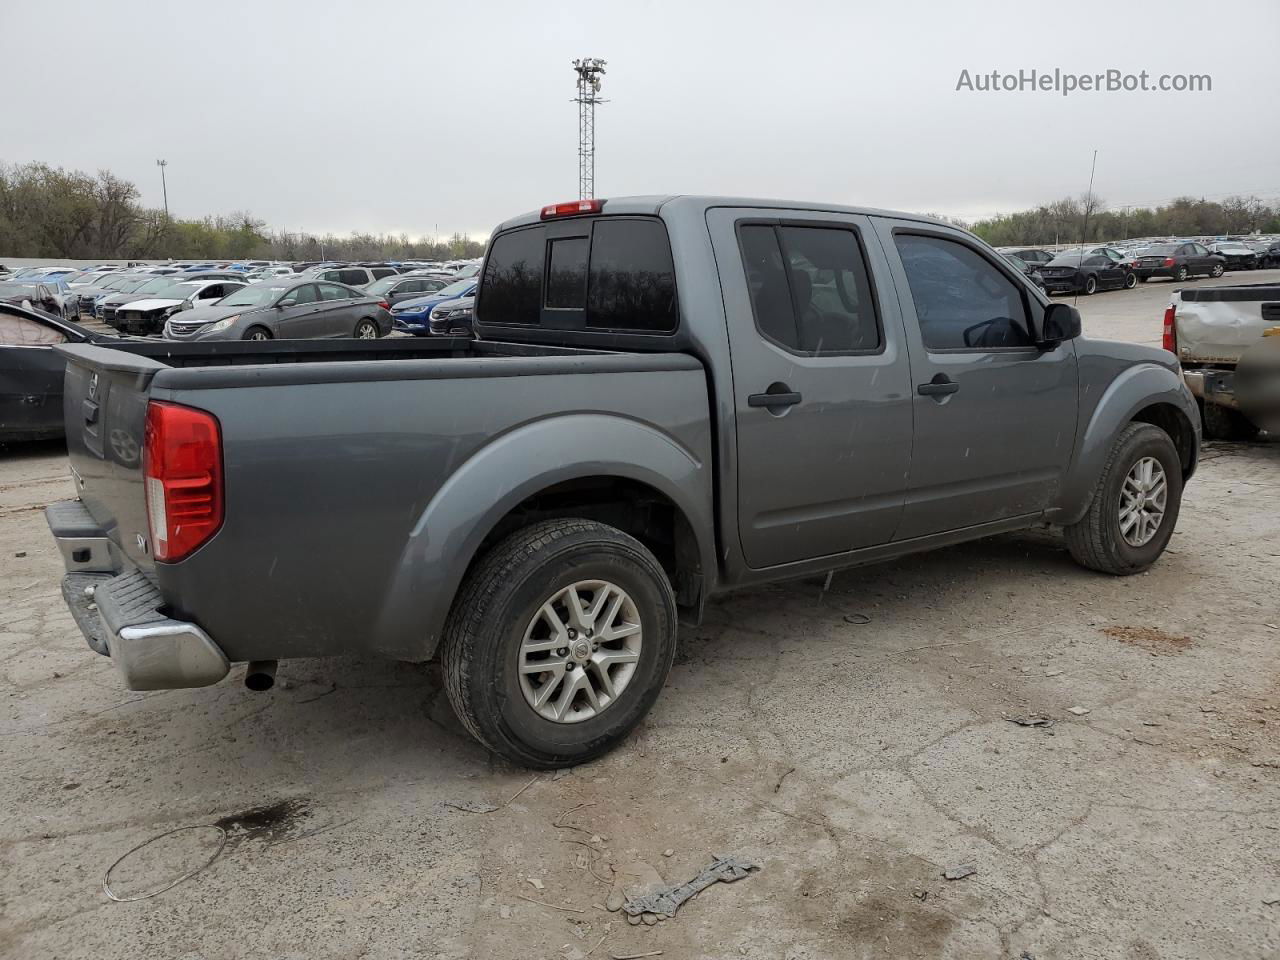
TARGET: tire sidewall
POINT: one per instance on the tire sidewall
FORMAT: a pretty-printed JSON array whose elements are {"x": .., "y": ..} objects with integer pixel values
[
  {"x": 1146, "y": 444},
  {"x": 1090, "y": 286},
  {"x": 498, "y": 662}
]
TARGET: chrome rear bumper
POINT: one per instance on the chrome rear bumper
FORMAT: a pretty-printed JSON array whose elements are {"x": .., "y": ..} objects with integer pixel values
[{"x": 120, "y": 615}]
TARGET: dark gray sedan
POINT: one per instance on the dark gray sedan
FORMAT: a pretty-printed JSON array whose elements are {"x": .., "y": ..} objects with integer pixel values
[{"x": 282, "y": 309}]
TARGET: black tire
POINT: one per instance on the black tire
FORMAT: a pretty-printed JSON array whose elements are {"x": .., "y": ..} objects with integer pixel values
[
  {"x": 367, "y": 329},
  {"x": 1090, "y": 285},
  {"x": 1095, "y": 542},
  {"x": 1130, "y": 281},
  {"x": 1217, "y": 270},
  {"x": 497, "y": 601},
  {"x": 1181, "y": 274},
  {"x": 1224, "y": 423},
  {"x": 257, "y": 333}
]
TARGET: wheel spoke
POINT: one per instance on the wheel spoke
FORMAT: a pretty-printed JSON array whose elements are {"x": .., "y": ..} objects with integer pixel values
[
  {"x": 597, "y": 604},
  {"x": 619, "y": 633},
  {"x": 1127, "y": 519},
  {"x": 547, "y": 689},
  {"x": 577, "y": 615}
]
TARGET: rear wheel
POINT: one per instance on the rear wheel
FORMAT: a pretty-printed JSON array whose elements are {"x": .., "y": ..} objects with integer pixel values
[
  {"x": 1224, "y": 423},
  {"x": 559, "y": 642},
  {"x": 1130, "y": 281},
  {"x": 1217, "y": 271},
  {"x": 366, "y": 329},
  {"x": 1181, "y": 274},
  {"x": 257, "y": 333},
  {"x": 1135, "y": 504},
  {"x": 1090, "y": 285}
]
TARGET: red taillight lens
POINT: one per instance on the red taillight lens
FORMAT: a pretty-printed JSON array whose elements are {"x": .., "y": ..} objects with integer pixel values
[
  {"x": 572, "y": 208},
  {"x": 384, "y": 305},
  {"x": 1168, "y": 261},
  {"x": 1169, "y": 339},
  {"x": 182, "y": 467}
]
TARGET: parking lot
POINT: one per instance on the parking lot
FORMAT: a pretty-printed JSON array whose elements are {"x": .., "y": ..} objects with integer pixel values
[{"x": 1103, "y": 752}]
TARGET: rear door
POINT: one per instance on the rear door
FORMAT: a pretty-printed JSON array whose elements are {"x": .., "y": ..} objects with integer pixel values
[
  {"x": 995, "y": 416},
  {"x": 820, "y": 381},
  {"x": 339, "y": 307}
]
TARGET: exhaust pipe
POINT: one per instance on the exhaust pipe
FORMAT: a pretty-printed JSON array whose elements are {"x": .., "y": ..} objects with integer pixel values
[{"x": 261, "y": 675}]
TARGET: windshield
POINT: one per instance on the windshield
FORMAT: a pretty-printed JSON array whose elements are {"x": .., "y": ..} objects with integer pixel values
[
  {"x": 155, "y": 286},
  {"x": 17, "y": 289},
  {"x": 453, "y": 290},
  {"x": 128, "y": 286},
  {"x": 252, "y": 296}
]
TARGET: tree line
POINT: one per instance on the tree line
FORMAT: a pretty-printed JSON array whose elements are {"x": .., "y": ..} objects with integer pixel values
[
  {"x": 1087, "y": 219},
  {"x": 50, "y": 212},
  {"x": 60, "y": 214}
]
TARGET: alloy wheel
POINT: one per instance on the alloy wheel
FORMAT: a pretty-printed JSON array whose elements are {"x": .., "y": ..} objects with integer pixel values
[
  {"x": 580, "y": 651},
  {"x": 1143, "y": 499}
]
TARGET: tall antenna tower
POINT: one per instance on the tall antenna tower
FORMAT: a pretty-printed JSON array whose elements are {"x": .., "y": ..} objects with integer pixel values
[{"x": 589, "y": 70}]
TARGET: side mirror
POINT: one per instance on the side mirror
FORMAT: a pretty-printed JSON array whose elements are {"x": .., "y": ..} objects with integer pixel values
[{"x": 1061, "y": 322}]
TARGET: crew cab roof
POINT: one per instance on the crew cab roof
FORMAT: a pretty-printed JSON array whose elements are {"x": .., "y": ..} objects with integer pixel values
[{"x": 653, "y": 205}]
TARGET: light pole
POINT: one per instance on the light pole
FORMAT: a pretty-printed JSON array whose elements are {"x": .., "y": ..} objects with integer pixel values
[{"x": 164, "y": 186}]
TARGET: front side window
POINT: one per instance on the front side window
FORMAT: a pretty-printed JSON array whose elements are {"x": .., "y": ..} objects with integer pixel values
[
  {"x": 307, "y": 293},
  {"x": 809, "y": 288},
  {"x": 962, "y": 301}
]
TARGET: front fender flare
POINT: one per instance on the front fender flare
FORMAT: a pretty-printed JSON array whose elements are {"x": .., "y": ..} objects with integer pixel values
[
  {"x": 503, "y": 473},
  {"x": 1137, "y": 388}
]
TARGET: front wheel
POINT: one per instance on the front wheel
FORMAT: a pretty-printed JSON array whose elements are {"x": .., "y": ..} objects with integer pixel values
[
  {"x": 1218, "y": 270},
  {"x": 1135, "y": 504},
  {"x": 366, "y": 330},
  {"x": 559, "y": 642},
  {"x": 257, "y": 333}
]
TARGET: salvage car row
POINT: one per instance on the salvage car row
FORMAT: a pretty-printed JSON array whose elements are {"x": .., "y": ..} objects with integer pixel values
[
  {"x": 320, "y": 300},
  {"x": 1124, "y": 266}
]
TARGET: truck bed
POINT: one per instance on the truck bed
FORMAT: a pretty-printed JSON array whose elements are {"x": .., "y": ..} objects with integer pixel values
[{"x": 330, "y": 538}]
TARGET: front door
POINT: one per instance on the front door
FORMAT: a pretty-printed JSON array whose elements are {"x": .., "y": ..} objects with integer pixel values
[
  {"x": 820, "y": 382},
  {"x": 300, "y": 317},
  {"x": 995, "y": 416}
]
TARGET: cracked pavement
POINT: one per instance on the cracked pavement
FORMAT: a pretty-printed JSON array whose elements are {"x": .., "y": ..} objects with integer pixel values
[{"x": 854, "y": 762}]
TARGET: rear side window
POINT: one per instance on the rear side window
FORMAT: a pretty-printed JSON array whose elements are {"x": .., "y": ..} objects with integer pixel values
[
  {"x": 354, "y": 277},
  {"x": 619, "y": 277},
  {"x": 962, "y": 301},
  {"x": 809, "y": 288},
  {"x": 380, "y": 272},
  {"x": 331, "y": 291}
]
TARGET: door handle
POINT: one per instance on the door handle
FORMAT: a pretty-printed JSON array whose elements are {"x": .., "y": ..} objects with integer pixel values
[
  {"x": 781, "y": 398},
  {"x": 940, "y": 386}
]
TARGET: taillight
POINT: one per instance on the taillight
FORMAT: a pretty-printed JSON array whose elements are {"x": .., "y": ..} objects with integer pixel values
[
  {"x": 1168, "y": 261},
  {"x": 572, "y": 208},
  {"x": 1169, "y": 339},
  {"x": 182, "y": 467},
  {"x": 384, "y": 305}
]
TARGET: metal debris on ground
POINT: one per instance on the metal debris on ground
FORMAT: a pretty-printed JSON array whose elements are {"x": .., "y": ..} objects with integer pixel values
[
  {"x": 106, "y": 877},
  {"x": 471, "y": 806},
  {"x": 553, "y": 906},
  {"x": 1031, "y": 720},
  {"x": 665, "y": 903},
  {"x": 778, "y": 786},
  {"x": 858, "y": 618},
  {"x": 960, "y": 871},
  {"x": 635, "y": 956}
]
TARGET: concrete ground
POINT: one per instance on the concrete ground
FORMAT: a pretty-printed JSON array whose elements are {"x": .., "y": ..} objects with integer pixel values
[{"x": 855, "y": 762}]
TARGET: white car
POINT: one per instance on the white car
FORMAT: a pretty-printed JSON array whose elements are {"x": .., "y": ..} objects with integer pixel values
[{"x": 149, "y": 316}]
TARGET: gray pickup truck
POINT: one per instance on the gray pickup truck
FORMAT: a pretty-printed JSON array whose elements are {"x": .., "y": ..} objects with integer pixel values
[{"x": 667, "y": 398}]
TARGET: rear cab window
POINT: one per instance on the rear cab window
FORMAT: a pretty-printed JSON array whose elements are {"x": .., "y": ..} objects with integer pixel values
[{"x": 598, "y": 274}]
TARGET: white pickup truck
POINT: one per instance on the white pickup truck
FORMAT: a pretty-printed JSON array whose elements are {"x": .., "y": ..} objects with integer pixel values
[{"x": 1228, "y": 342}]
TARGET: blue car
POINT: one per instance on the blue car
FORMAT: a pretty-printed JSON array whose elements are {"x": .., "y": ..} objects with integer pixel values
[{"x": 413, "y": 316}]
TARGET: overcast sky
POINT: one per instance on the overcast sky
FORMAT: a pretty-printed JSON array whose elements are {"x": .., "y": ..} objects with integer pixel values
[{"x": 410, "y": 116}]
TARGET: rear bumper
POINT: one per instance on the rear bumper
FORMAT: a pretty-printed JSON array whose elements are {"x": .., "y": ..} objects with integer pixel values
[
  {"x": 120, "y": 611},
  {"x": 1212, "y": 386}
]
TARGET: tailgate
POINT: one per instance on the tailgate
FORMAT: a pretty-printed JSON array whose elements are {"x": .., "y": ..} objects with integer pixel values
[
  {"x": 104, "y": 411},
  {"x": 1220, "y": 324}
]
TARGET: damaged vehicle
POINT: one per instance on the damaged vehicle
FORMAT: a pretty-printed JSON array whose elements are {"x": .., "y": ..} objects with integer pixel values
[
  {"x": 1227, "y": 340},
  {"x": 665, "y": 399},
  {"x": 31, "y": 373}
]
